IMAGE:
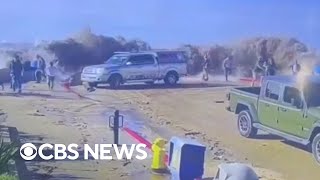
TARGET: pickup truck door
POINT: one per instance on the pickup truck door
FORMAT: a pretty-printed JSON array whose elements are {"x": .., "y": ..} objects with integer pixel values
[
  {"x": 141, "y": 67},
  {"x": 291, "y": 112},
  {"x": 268, "y": 104}
]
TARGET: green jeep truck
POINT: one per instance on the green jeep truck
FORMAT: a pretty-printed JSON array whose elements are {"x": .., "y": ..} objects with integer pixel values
[{"x": 286, "y": 106}]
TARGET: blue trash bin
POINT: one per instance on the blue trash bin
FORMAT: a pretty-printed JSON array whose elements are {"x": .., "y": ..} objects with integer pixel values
[{"x": 186, "y": 159}]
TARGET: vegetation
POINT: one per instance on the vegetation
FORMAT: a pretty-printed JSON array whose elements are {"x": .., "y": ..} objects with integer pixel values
[
  {"x": 7, "y": 153},
  {"x": 8, "y": 177},
  {"x": 86, "y": 48}
]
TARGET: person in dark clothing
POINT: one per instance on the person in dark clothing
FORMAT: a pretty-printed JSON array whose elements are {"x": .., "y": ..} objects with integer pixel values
[
  {"x": 227, "y": 66},
  {"x": 263, "y": 50},
  {"x": 259, "y": 69},
  {"x": 16, "y": 72},
  {"x": 270, "y": 67}
]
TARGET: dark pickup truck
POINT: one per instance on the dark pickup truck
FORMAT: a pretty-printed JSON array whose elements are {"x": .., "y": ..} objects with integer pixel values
[{"x": 286, "y": 106}]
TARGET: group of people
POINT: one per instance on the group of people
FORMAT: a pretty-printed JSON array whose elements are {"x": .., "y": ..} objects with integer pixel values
[
  {"x": 42, "y": 72},
  {"x": 226, "y": 65},
  {"x": 265, "y": 65}
]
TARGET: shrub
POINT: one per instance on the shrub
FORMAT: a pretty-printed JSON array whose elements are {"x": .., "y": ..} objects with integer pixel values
[
  {"x": 87, "y": 49},
  {"x": 8, "y": 177},
  {"x": 7, "y": 152}
]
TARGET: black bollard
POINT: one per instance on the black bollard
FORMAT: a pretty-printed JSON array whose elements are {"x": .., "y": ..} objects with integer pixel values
[
  {"x": 116, "y": 127},
  {"x": 116, "y": 122}
]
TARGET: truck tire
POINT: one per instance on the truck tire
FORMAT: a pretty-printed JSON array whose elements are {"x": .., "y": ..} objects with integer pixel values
[
  {"x": 115, "y": 81},
  {"x": 245, "y": 127},
  {"x": 171, "y": 78},
  {"x": 316, "y": 148},
  {"x": 92, "y": 85}
]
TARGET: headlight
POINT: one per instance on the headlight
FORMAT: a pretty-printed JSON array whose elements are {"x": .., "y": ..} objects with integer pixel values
[{"x": 100, "y": 70}]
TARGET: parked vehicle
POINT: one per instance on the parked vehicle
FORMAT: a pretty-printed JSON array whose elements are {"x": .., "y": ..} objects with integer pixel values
[
  {"x": 146, "y": 67},
  {"x": 286, "y": 106}
]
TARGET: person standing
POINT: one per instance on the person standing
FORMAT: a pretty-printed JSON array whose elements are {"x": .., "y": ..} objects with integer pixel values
[
  {"x": 40, "y": 68},
  {"x": 260, "y": 67},
  {"x": 16, "y": 72},
  {"x": 205, "y": 75},
  {"x": 258, "y": 70},
  {"x": 295, "y": 68},
  {"x": 51, "y": 73},
  {"x": 270, "y": 67},
  {"x": 264, "y": 50},
  {"x": 11, "y": 73},
  {"x": 227, "y": 66},
  {"x": 43, "y": 67}
]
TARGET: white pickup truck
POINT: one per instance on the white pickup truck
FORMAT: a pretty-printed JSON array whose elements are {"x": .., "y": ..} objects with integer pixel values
[{"x": 146, "y": 67}]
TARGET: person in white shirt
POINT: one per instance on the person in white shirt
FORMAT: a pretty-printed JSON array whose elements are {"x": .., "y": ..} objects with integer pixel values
[
  {"x": 51, "y": 73},
  {"x": 295, "y": 68}
]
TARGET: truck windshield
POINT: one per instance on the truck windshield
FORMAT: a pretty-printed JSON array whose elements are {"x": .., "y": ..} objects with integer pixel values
[
  {"x": 116, "y": 60},
  {"x": 312, "y": 95}
]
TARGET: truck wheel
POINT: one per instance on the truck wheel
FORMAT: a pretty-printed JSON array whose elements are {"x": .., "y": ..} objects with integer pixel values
[
  {"x": 92, "y": 85},
  {"x": 171, "y": 78},
  {"x": 115, "y": 81},
  {"x": 316, "y": 148},
  {"x": 245, "y": 125}
]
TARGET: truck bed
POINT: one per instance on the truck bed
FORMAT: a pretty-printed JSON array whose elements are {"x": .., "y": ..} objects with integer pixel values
[
  {"x": 251, "y": 90},
  {"x": 247, "y": 95}
]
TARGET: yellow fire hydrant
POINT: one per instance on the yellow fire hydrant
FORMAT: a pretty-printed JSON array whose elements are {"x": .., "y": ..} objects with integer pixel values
[{"x": 159, "y": 152}]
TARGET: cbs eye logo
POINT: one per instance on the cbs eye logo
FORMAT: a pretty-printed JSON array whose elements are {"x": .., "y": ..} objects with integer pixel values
[{"x": 28, "y": 151}]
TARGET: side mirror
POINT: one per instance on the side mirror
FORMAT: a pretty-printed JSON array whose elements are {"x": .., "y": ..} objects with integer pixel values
[{"x": 128, "y": 63}]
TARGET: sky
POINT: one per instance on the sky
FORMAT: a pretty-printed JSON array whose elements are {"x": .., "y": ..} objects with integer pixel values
[{"x": 162, "y": 23}]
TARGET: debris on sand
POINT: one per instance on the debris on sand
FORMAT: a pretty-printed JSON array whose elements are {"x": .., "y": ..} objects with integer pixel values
[
  {"x": 84, "y": 140},
  {"x": 219, "y": 101},
  {"x": 219, "y": 154},
  {"x": 124, "y": 174},
  {"x": 192, "y": 133},
  {"x": 126, "y": 162},
  {"x": 36, "y": 113}
]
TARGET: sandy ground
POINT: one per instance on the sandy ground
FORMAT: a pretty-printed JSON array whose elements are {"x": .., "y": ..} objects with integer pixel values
[
  {"x": 192, "y": 110},
  {"x": 60, "y": 117}
]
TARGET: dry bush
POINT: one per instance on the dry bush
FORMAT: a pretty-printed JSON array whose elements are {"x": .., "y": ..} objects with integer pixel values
[{"x": 87, "y": 48}]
